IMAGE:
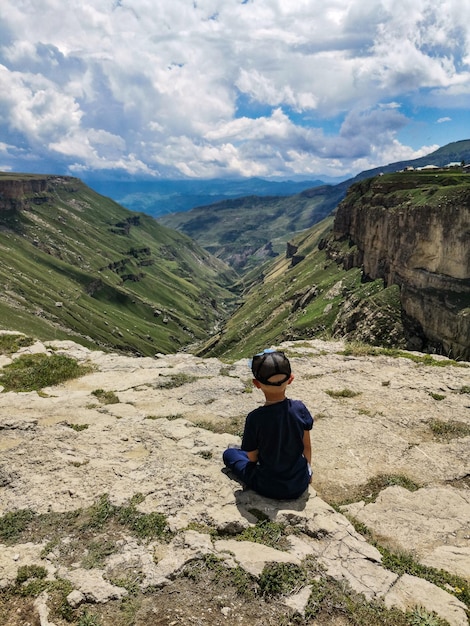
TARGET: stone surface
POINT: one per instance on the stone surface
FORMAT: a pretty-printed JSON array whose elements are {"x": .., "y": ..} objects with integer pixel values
[
  {"x": 410, "y": 592},
  {"x": 153, "y": 442},
  {"x": 435, "y": 521}
]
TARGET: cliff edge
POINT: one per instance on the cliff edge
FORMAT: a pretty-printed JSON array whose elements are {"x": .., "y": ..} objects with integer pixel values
[{"x": 115, "y": 509}]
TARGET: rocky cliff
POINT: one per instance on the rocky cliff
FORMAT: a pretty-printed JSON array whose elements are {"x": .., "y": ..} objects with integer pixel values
[
  {"x": 19, "y": 191},
  {"x": 413, "y": 229}
]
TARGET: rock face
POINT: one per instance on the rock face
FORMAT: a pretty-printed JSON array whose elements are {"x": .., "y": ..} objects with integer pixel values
[
  {"x": 17, "y": 192},
  {"x": 62, "y": 449},
  {"x": 416, "y": 234}
]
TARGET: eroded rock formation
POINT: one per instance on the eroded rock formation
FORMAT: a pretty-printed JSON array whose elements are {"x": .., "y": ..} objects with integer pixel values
[{"x": 412, "y": 231}]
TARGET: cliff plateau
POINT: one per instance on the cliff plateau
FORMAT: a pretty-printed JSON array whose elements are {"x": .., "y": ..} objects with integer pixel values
[{"x": 115, "y": 509}]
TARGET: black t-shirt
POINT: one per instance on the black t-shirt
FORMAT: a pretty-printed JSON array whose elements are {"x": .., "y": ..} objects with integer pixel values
[{"x": 277, "y": 432}]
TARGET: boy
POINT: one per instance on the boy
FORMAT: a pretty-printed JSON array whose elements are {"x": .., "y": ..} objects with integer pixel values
[{"x": 275, "y": 454}]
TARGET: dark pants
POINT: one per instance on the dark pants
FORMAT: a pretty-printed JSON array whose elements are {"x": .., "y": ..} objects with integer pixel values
[
  {"x": 237, "y": 461},
  {"x": 244, "y": 469}
]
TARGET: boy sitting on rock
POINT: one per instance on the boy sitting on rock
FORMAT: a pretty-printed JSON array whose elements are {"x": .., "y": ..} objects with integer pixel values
[{"x": 275, "y": 454}]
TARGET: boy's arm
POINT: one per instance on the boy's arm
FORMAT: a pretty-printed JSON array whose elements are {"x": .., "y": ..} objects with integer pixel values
[
  {"x": 307, "y": 447},
  {"x": 253, "y": 456},
  {"x": 308, "y": 450}
]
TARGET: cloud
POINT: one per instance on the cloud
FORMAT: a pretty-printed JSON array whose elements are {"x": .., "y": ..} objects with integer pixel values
[
  {"x": 444, "y": 119},
  {"x": 209, "y": 88}
]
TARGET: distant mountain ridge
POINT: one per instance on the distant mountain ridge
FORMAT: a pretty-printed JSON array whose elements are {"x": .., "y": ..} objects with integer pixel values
[
  {"x": 160, "y": 197},
  {"x": 246, "y": 230}
]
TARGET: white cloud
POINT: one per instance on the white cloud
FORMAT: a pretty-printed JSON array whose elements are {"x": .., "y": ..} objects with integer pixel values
[{"x": 223, "y": 86}]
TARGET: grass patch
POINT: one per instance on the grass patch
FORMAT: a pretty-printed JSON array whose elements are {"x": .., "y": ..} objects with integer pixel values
[
  {"x": 88, "y": 619},
  {"x": 437, "y": 396},
  {"x": 233, "y": 426},
  {"x": 102, "y": 516},
  {"x": 205, "y": 454},
  {"x": 176, "y": 380},
  {"x": 465, "y": 389},
  {"x": 449, "y": 430},
  {"x": 14, "y": 523},
  {"x": 214, "y": 566},
  {"x": 105, "y": 397},
  {"x": 371, "y": 489},
  {"x": 330, "y": 598},
  {"x": 176, "y": 416},
  {"x": 281, "y": 579},
  {"x": 9, "y": 344},
  {"x": 97, "y": 552},
  {"x": 361, "y": 349},
  {"x": 272, "y": 534},
  {"x": 77, "y": 427},
  {"x": 342, "y": 393},
  {"x": 35, "y": 371},
  {"x": 31, "y": 582}
]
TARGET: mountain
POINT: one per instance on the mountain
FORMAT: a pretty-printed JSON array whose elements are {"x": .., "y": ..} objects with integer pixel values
[
  {"x": 159, "y": 197},
  {"x": 74, "y": 264},
  {"x": 244, "y": 232},
  {"x": 390, "y": 268}
]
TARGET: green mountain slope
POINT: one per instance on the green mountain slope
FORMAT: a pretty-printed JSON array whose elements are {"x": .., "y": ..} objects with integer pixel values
[{"x": 74, "y": 264}]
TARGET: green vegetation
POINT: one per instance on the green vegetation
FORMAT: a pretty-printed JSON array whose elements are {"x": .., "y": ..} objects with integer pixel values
[
  {"x": 101, "y": 516},
  {"x": 437, "y": 396},
  {"x": 330, "y": 598},
  {"x": 97, "y": 551},
  {"x": 13, "y": 524},
  {"x": 361, "y": 349},
  {"x": 281, "y": 579},
  {"x": 451, "y": 429},
  {"x": 369, "y": 491},
  {"x": 267, "y": 532},
  {"x": 232, "y": 425},
  {"x": 176, "y": 416},
  {"x": 88, "y": 619},
  {"x": 176, "y": 380},
  {"x": 77, "y": 427},
  {"x": 35, "y": 371},
  {"x": 342, "y": 393},
  {"x": 9, "y": 344},
  {"x": 215, "y": 227},
  {"x": 405, "y": 563},
  {"x": 105, "y": 397}
]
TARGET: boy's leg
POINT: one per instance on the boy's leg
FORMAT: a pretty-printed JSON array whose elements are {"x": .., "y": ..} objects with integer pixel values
[{"x": 238, "y": 462}]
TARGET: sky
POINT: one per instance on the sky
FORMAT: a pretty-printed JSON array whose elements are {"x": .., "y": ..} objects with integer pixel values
[{"x": 230, "y": 88}]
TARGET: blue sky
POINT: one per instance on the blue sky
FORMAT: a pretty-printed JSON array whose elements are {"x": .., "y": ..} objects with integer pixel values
[{"x": 230, "y": 88}]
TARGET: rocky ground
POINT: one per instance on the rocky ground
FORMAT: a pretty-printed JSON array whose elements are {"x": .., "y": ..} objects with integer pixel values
[{"x": 116, "y": 508}]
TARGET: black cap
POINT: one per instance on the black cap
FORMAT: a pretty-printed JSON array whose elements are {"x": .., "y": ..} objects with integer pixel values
[{"x": 269, "y": 363}]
